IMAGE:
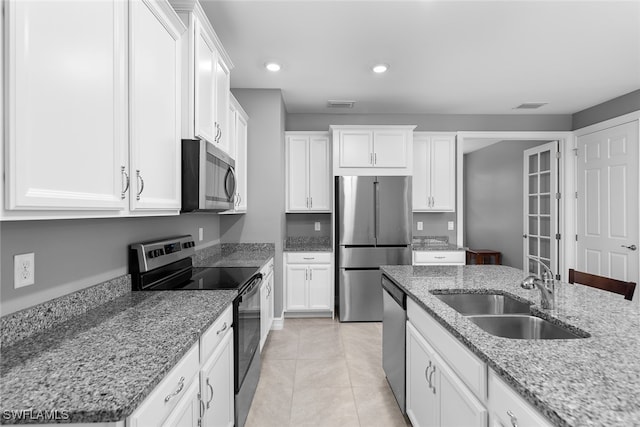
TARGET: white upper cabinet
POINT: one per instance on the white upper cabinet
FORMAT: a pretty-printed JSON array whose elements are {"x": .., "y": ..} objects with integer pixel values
[
  {"x": 434, "y": 167},
  {"x": 238, "y": 133},
  {"x": 307, "y": 169},
  {"x": 94, "y": 118},
  {"x": 66, "y": 101},
  {"x": 372, "y": 150},
  {"x": 154, "y": 88},
  {"x": 205, "y": 78}
]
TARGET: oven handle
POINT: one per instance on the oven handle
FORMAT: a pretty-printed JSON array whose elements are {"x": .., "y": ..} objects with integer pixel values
[{"x": 254, "y": 286}]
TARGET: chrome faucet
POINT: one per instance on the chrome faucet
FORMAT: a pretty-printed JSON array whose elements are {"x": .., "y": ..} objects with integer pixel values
[{"x": 545, "y": 283}]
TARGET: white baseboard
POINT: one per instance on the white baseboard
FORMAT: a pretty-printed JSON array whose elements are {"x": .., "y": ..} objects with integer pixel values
[{"x": 278, "y": 323}]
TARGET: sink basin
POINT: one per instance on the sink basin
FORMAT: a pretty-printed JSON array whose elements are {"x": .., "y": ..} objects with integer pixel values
[
  {"x": 470, "y": 304},
  {"x": 522, "y": 327}
]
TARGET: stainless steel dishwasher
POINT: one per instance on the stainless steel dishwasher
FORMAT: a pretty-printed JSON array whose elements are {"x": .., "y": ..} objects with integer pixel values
[{"x": 394, "y": 318}]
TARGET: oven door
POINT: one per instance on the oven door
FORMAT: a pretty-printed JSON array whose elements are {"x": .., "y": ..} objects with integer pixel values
[
  {"x": 247, "y": 324},
  {"x": 220, "y": 184}
]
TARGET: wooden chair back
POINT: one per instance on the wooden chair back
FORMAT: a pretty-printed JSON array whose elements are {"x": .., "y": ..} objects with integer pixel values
[{"x": 601, "y": 282}]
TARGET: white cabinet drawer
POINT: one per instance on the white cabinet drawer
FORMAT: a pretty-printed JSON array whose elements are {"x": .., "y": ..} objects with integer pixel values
[
  {"x": 439, "y": 257},
  {"x": 212, "y": 336},
  {"x": 159, "y": 404},
  {"x": 471, "y": 370},
  {"x": 506, "y": 408},
  {"x": 309, "y": 258}
]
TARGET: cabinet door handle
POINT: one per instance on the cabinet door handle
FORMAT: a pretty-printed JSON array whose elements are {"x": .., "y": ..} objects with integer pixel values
[
  {"x": 512, "y": 417},
  {"x": 433, "y": 387},
  {"x": 126, "y": 178},
  {"x": 178, "y": 390},
  {"x": 375, "y": 158},
  {"x": 311, "y": 202},
  {"x": 306, "y": 274},
  {"x": 224, "y": 328},
  {"x": 310, "y": 274},
  {"x": 211, "y": 390},
  {"x": 139, "y": 178},
  {"x": 426, "y": 374}
]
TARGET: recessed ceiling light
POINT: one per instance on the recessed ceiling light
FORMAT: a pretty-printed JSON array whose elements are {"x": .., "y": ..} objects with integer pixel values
[
  {"x": 272, "y": 66},
  {"x": 380, "y": 68}
]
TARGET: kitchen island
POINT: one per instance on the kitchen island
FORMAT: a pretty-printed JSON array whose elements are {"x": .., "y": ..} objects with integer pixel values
[{"x": 591, "y": 381}]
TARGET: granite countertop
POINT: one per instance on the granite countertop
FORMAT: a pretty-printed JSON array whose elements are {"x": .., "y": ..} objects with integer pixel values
[
  {"x": 308, "y": 244},
  {"x": 99, "y": 366},
  {"x": 434, "y": 243},
  {"x": 235, "y": 255},
  {"x": 590, "y": 381}
]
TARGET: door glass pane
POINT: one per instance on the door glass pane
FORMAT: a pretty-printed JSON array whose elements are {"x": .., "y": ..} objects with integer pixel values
[
  {"x": 533, "y": 163},
  {"x": 533, "y": 184},
  {"x": 533, "y": 225},
  {"x": 545, "y": 182},
  {"x": 545, "y": 204},
  {"x": 545, "y": 248},
  {"x": 545, "y": 226},
  {"x": 533, "y": 246},
  {"x": 533, "y": 204},
  {"x": 545, "y": 161},
  {"x": 533, "y": 267}
]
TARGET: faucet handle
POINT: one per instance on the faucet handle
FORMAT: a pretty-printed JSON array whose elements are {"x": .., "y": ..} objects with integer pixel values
[{"x": 528, "y": 282}]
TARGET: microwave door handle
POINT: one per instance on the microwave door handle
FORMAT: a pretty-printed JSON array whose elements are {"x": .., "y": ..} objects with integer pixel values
[{"x": 230, "y": 174}]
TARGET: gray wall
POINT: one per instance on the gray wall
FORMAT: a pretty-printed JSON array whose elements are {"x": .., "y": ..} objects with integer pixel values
[
  {"x": 264, "y": 221},
  {"x": 435, "y": 224},
  {"x": 75, "y": 254},
  {"x": 607, "y": 110},
  {"x": 434, "y": 122},
  {"x": 303, "y": 225},
  {"x": 493, "y": 199}
]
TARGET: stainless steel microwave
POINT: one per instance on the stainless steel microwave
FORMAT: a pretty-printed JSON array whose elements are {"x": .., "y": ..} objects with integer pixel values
[{"x": 208, "y": 177}]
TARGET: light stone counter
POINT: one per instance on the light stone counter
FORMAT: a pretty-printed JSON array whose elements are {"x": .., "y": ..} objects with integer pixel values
[{"x": 592, "y": 381}]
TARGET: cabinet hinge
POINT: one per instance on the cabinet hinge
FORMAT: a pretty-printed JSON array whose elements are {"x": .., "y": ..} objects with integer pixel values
[
  {"x": 558, "y": 154},
  {"x": 558, "y": 196},
  {"x": 576, "y": 237},
  {"x": 575, "y": 151},
  {"x": 558, "y": 236},
  {"x": 576, "y": 194}
]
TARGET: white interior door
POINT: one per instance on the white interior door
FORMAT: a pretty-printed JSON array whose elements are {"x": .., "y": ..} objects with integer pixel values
[
  {"x": 541, "y": 207},
  {"x": 607, "y": 203}
]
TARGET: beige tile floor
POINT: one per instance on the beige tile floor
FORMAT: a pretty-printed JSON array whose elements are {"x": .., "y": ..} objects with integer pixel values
[{"x": 323, "y": 373}]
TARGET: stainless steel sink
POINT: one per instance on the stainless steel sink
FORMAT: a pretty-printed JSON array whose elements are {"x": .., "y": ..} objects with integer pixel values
[
  {"x": 470, "y": 304},
  {"x": 522, "y": 327}
]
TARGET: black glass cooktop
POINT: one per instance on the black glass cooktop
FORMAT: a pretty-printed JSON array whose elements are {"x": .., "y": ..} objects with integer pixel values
[{"x": 208, "y": 278}]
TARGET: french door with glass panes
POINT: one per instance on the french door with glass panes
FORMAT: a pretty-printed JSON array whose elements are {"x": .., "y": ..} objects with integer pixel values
[{"x": 541, "y": 238}]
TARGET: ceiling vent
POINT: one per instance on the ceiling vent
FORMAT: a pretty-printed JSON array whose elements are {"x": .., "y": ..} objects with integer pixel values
[
  {"x": 340, "y": 104},
  {"x": 530, "y": 105}
]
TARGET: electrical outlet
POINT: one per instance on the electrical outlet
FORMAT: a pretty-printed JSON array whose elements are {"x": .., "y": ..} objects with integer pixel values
[
  {"x": 450, "y": 225},
  {"x": 317, "y": 226},
  {"x": 419, "y": 224},
  {"x": 23, "y": 270},
  {"x": 201, "y": 233}
]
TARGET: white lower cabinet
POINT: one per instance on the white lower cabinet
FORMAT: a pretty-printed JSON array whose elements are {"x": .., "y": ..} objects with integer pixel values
[
  {"x": 216, "y": 385},
  {"x": 266, "y": 302},
  {"x": 435, "y": 394},
  {"x": 507, "y": 409},
  {"x": 198, "y": 391},
  {"x": 309, "y": 282}
]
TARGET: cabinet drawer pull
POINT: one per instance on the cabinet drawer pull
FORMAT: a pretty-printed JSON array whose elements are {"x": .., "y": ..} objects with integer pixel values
[
  {"x": 514, "y": 420},
  {"x": 224, "y": 328},
  {"x": 211, "y": 390},
  {"x": 175, "y": 393},
  {"x": 311, "y": 257},
  {"x": 439, "y": 257},
  {"x": 126, "y": 177}
]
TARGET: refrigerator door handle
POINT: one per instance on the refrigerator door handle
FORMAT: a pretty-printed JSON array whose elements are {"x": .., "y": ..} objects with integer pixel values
[{"x": 376, "y": 213}]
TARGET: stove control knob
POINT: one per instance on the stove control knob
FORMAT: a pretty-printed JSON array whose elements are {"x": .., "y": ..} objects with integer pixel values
[
  {"x": 151, "y": 254},
  {"x": 159, "y": 252}
]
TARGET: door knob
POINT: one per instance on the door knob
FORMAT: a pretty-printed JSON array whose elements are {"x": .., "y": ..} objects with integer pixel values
[
  {"x": 525, "y": 236},
  {"x": 631, "y": 247}
]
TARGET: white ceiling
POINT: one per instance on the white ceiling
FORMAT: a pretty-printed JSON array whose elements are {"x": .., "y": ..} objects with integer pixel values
[{"x": 446, "y": 57}]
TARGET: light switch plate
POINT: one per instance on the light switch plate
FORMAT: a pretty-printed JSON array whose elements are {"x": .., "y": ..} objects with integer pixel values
[
  {"x": 24, "y": 270},
  {"x": 450, "y": 225},
  {"x": 200, "y": 233},
  {"x": 317, "y": 226},
  {"x": 420, "y": 225}
]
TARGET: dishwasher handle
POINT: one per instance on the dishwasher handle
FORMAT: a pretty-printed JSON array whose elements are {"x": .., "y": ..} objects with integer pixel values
[{"x": 394, "y": 291}]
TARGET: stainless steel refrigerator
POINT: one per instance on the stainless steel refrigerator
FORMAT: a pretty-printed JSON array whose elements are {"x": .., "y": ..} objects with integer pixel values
[{"x": 373, "y": 228}]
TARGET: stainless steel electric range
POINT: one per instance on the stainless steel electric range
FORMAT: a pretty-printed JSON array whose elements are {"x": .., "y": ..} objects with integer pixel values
[{"x": 167, "y": 265}]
